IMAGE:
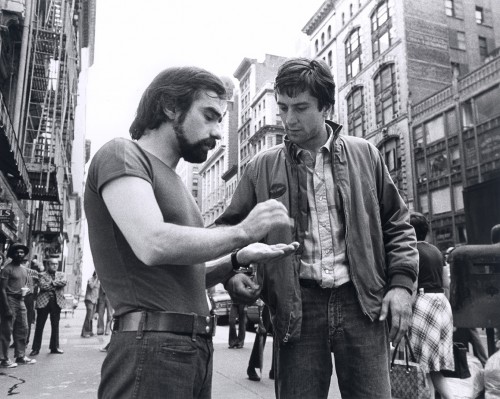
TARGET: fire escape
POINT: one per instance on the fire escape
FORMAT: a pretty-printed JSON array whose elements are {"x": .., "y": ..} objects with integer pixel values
[{"x": 50, "y": 107}]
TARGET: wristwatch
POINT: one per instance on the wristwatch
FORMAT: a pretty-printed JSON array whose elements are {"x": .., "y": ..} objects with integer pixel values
[{"x": 238, "y": 267}]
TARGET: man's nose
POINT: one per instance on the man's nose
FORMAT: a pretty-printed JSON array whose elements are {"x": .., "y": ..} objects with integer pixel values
[
  {"x": 290, "y": 118},
  {"x": 217, "y": 131}
]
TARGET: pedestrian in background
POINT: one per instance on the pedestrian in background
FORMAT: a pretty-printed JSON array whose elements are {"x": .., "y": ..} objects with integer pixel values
[
  {"x": 150, "y": 247},
  {"x": 431, "y": 330},
  {"x": 104, "y": 306},
  {"x": 50, "y": 301},
  {"x": 91, "y": 297},
  {"x": 13, "y": 287},
  {"x": 357, "y": 259},
  {"x": 29, "y": 298},
  {"x": 237, "y": 312},
  {"x": 256, "y": 360}
]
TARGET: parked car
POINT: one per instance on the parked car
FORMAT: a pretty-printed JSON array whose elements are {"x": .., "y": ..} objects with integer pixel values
[
  {"x": 253, "y": 314},
  {"x": 221, "y": 303}
]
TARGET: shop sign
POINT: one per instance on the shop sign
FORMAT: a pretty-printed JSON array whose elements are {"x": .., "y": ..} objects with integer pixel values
[{"x": 6, "y": 215}]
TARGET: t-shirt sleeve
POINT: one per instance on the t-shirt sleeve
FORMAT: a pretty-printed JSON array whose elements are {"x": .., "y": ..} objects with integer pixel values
[{"x": 118, "y": 158}]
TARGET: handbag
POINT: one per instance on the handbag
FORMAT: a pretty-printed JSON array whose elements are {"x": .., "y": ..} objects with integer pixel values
[
  {"x": 461, "y": 366},
  {"x": 407, "y": 378}
]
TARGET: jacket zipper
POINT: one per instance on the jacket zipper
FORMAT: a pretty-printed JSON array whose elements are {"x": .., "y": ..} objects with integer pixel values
[{"x": 346, "y": 237}]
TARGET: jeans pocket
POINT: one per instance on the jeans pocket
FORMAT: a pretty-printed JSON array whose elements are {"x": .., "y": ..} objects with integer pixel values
[{"x": 178, "y": 352}]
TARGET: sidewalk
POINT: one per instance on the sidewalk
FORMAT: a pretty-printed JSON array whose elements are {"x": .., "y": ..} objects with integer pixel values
[{"x": 76, "y": 373}]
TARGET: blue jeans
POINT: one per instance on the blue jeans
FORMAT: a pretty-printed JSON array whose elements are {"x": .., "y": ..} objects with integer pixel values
[
  {"x": 157, "y": 365},
  {"x": 333, "y": 321}
]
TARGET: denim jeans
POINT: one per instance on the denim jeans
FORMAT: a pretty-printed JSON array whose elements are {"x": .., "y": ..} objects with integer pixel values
[
  {"x": 157, "y": 365},
  {"x": 333, "y": 321}
]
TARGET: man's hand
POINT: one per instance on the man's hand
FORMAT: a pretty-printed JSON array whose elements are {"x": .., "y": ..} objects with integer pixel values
[
  {"x": 397, "y": 302},
  {"x": 243, "y": 289},
  {"x": 264, "y": 217},
  {"x": 259, "y": 252}
]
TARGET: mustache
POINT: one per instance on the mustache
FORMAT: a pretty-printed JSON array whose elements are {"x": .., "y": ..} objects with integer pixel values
[{"x": 209, "y": 142}]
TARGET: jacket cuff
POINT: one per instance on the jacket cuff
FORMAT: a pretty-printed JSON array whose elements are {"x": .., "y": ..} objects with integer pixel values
[{"x": 402, "y": 281}]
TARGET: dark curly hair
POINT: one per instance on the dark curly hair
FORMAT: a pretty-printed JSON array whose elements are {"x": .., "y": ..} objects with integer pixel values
[
  {"x": 176, "y": 89},
  {"x": 420, "y": 224},
  {"x": 297, "y": 75}
]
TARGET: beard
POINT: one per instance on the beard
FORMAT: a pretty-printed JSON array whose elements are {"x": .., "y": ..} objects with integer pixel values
[{"x": 192, "y": 152}]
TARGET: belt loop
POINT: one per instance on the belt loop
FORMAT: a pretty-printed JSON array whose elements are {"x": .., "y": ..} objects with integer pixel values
[
  {"x": 140, "y": 329},
  {"x": 195, "y": 325}
]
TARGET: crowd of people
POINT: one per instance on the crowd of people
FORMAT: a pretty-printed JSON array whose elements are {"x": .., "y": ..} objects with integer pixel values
[{"x": 29, "y": 293}]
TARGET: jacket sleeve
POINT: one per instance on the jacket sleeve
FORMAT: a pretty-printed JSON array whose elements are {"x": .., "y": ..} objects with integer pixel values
[
  {"x": 399, "y": 236},
  {"x": 243, "y": 201},
  {"x": 45, "y": 282}
]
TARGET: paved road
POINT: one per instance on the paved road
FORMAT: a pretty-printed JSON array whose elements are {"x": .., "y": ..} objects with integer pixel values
[{"x": 76, "y": 373}]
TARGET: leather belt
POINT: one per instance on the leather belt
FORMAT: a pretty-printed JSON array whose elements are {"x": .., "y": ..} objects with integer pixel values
[
  {"x": 180, "y": 323},
  {"x": 308, "y": 283}
]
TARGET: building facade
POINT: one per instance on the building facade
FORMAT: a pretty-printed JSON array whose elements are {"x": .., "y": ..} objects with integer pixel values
[
  {"x": 387, "y": 54},
  {"x": 259, "y": 124},
  {"x": 456, "y": 145},
  {"x": 40, "y": 63}
]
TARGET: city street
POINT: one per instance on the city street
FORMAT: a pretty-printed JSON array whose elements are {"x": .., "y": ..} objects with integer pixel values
[{"x": 75, "y": 374}]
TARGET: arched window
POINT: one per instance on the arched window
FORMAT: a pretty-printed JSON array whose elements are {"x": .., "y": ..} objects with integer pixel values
[
  {"x": 329, "y": 32},
  {"x": 355, "y": 112},
  {"x": 351, "y": 10},
  {"x": 343, "y": 19},
  {"x": 385, "y": 94},
  {"x": 381, "y": 29},
  {"x": 352, "y": 54},
  {"x": 316, "y": 46},
  {"x": 392, "y": 157},
  {"x": 330, "y": 58},
  {"x": 323, "y": 39}
]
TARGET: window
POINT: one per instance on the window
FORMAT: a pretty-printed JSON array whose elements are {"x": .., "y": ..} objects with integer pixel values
[
  {"x": 391, "y": 155},
  {"x": 441, "y": 201},
  {"x": 458, "y": 198},
  {"x": 316, "y": 45},
  {"x": 323, "y": 39},
  {"x": 330, "y": 58},
  {"x": 329, "y": 32},
  {"x": 461, "y": 40},
  {"x": 353, "y": 54},
  {"x": 390, "y": 151},
  {"x": 351, "y": 10},
  {"x": 355, "y": 112},
  {"x": 438, "y": 165},
  {"x": 449, "y": 8},
  {"x": 483, "y": 48},
  {"x": 381, "y": 25},
  {"x": 487, "y": 105},
  {"x": 479, "y": 15},
  {"x": 385, "y": 94},
  {"x": 343, "y": 19},
  {"x": 434, "y": 129}
]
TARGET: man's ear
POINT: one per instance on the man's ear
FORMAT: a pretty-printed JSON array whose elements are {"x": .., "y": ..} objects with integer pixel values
[{"x": 169, "y": 113}]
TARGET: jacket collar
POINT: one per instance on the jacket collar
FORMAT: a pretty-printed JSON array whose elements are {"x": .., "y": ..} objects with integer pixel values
[{"x": 293, "y": 149}]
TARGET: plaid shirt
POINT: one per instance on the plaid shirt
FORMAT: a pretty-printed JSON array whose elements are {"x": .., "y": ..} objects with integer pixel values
[
  {"x": 49, "y": 286},
  {"x": 324, "y": 257}
]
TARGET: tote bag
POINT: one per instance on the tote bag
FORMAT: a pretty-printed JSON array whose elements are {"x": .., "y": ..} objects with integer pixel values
[{"x": 407, "y": 378}]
